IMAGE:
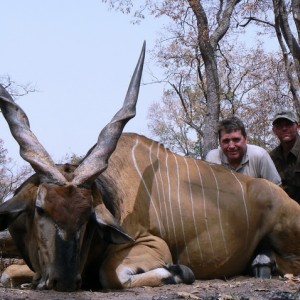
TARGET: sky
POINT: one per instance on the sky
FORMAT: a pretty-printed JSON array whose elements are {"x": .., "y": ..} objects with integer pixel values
[{"x": 80, "y": 58}]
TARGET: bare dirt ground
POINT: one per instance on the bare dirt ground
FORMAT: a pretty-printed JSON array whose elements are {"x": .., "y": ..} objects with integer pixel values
[{"x": 239, "y": 288}]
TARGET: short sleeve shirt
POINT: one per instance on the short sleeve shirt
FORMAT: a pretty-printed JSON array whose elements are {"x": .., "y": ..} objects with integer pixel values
[
  {"x": 256, "y": 162},
  {"x": 289, "y": 169}
]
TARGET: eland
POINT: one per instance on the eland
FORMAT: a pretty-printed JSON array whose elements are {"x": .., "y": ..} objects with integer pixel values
[{"x": 133, "y": 213}]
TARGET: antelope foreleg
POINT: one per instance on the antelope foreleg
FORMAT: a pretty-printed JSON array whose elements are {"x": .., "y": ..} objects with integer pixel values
[
  {"x": 147, "y": 263},
  {"x": 169, "y": 274}
]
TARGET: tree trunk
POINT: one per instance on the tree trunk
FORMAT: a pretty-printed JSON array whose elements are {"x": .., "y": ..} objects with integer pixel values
[
  {"x": 213, "y": 105},
  {"x": 283, "y": 29},
  {"x": 208, "y": 47}
]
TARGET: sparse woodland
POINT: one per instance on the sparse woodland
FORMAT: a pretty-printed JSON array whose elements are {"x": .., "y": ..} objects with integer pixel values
[{"x": 220, "y": 58}]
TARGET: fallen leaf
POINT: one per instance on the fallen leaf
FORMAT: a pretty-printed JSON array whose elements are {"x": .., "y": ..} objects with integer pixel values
[
  {"x": 225, "y": 297},
  {"x": 291, "y": 277},
  {"x": 187, "y": 295}
]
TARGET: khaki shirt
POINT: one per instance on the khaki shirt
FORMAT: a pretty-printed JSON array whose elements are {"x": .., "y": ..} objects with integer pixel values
[
  {"x": 289, "y": 169},
  {"x": 256, "y": 162}
]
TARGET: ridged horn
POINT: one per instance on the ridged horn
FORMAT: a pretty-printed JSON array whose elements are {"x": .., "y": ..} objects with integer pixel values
[
  {"x": 97, "y": 161},
  {"x": 30, "y": 148}
]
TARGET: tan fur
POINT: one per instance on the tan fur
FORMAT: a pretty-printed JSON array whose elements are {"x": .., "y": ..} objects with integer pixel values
[
  {"x": 69, "y": 206},
  {"x": 217, "y": 202},
  {"x": 16, "y": 275},
  {"x": 178, "y": 210}
]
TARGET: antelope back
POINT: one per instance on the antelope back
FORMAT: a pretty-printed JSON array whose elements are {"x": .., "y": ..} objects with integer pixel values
[{"x": 205, "y": 212}]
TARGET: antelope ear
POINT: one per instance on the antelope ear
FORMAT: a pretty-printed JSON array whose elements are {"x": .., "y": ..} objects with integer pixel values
[
  {"x": 109, "y": 228},
  {"x": 10, "y": 210}
]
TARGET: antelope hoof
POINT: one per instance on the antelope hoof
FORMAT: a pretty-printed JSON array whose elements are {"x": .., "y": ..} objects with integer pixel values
[
  {"x": 181, "y": 274},
  {"x": 262, "y": 267}
]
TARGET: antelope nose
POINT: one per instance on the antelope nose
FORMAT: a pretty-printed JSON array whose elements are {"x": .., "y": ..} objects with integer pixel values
[{"x": 67, "y": 285}]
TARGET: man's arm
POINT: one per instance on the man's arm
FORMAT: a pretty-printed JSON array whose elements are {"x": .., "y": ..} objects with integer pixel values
[
  {"x": 268, "y": 169},
  {"x": 213, "y": 156}
]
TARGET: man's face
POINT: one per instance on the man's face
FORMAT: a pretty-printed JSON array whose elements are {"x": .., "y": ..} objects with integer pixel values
[
  {"x": 285, "y": 130},
  {"x": 233, "y": 145}
]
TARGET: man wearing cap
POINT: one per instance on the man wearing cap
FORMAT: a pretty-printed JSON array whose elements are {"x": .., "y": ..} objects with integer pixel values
[{"x": 286, "y": 156}]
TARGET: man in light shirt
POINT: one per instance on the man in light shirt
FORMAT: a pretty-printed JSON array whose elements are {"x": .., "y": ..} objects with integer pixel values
[{"x": 235, "y": 154}]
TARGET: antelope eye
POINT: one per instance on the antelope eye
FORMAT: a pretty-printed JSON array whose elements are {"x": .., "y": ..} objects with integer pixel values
[{"x": 39, "y": 210}]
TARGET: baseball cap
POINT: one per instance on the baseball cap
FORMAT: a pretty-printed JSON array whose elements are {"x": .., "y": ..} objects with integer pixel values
[{"x": 286, "y": 114}]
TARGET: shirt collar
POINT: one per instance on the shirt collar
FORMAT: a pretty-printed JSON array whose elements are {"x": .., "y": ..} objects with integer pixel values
[{"x": 277, "y": 152}]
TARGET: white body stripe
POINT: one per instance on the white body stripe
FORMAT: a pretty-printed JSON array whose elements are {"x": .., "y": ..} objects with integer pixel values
[
  {"x": 219, "y": 211},
  {"x": 205, "y": 211},
  {"x": 169, "y": 198},
  {"x": 164, "y": 197},
  {"x": 245, "y": 205},
  {"x": 155, "y": 177},
  {"x": 193, "y": 208},
  {"x": 146, "y": 188},
  {"x": 180, "y": 212}
]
